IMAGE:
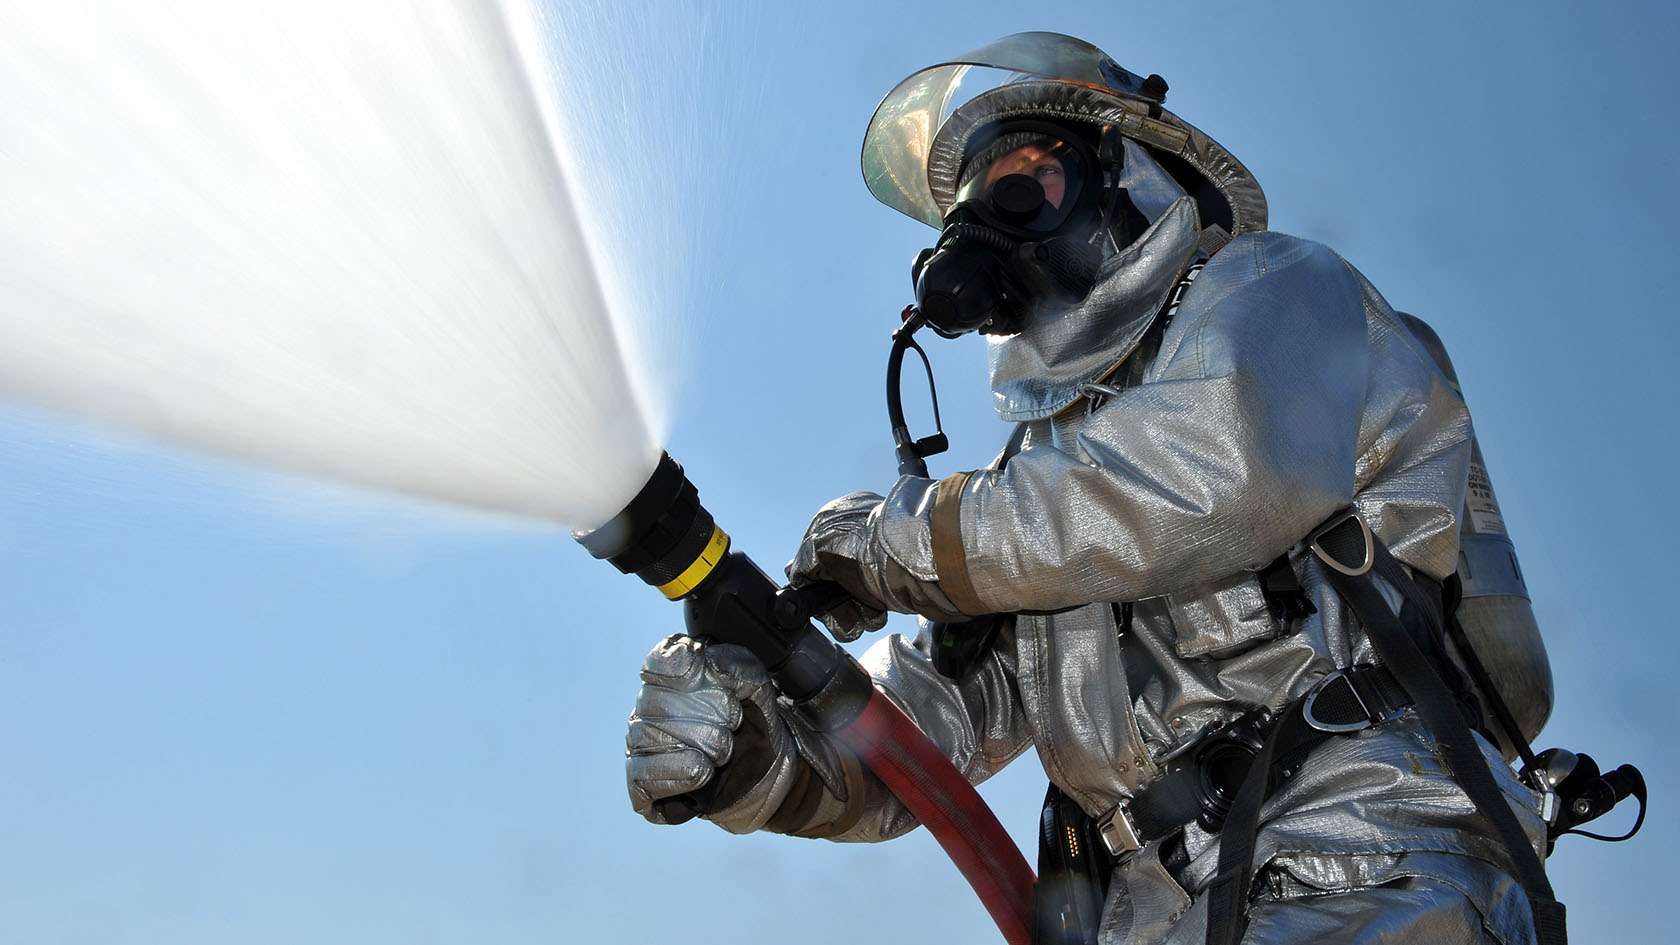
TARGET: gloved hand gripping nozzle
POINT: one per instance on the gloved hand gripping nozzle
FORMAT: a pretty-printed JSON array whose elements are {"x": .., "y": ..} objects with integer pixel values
[{"x": 667, "y": 538}]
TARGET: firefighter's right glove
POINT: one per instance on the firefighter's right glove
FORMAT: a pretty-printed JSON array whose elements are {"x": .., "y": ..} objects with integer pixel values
[
  {"x": 880, "y": 551},
  {"x": 708, "y": 736},
  {"x": 836, "y": 548}
]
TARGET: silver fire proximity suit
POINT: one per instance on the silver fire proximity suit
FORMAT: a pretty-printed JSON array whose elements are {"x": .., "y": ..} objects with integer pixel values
[{"x": 1158, "y": 465}]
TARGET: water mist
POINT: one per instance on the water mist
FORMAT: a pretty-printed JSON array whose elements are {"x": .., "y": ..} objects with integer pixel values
[{"x": 337, "y": 238}]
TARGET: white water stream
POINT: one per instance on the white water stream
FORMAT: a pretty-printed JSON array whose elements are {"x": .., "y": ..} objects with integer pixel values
[{"x": 340, "y": 238}]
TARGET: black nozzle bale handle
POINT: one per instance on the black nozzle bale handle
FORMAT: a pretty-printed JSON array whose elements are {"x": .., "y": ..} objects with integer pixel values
[
  {"x": 796, "y": 606},
  {"x": 739, "y": 604}
]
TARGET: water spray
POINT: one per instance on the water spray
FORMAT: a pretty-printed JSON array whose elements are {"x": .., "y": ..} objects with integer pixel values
[
  {"x": 668, "y": 539},
  {"x": 347, "y": 240}
]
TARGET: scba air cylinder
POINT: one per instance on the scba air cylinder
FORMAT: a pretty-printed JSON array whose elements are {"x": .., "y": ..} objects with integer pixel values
[{"x": 1496, "y": 612}]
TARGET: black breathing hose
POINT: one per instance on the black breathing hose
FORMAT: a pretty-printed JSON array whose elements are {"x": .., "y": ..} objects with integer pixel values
[
  {"x": 911, "y": 453},
  {"x": 977, "y": 233}
]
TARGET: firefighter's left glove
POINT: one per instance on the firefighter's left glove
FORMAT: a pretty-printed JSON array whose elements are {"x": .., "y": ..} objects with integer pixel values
[{"x": 708, "y": 727}]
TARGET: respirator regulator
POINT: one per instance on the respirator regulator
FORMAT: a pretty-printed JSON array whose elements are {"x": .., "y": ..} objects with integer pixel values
[
  {"x": 1028, "y": 225},
  {"x": 1038, "y": 209}
]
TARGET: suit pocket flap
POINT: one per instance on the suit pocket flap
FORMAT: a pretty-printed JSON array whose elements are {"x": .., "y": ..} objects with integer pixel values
[{"x": 1221, "y": 618}]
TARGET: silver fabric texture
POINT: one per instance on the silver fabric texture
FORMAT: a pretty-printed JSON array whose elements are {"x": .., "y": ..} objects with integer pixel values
[
  {"x": 1144, "y": 901},
  {"x": 682, "y": 731},
  {"x": 1399, "y": 899},
  {"x": 1038, "y": 371},
  {"x": 867, "y": 545},
  {"x": 1283, "y": 390},
  {"x": 1151, "y": 190},
  {"x": 1326, "y": 825}
]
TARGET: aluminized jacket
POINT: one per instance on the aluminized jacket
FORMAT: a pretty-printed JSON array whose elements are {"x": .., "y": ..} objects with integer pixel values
[{"x": 1283, "y": 389}]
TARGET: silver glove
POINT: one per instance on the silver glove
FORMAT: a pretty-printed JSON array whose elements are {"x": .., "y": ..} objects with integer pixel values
[
  {"x": 831, "y": 551},
  {"x": 709, "y": 712},
  {"x": 845, "y": 543}
]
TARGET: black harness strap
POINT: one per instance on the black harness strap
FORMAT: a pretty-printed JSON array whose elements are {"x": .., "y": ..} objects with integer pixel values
[
  {"x": 1286, "y": 600},
  {"x": 1352, "y": 554},
  {"x": 1228, "y": 894},
  {"x": 1347, "y": 701},
  {"x": 1435, "y": 702},
  {"x": 1478, "y": 671}
]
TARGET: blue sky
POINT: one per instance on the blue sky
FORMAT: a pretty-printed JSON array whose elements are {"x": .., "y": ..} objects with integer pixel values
[{"x": 235, "y": 708}]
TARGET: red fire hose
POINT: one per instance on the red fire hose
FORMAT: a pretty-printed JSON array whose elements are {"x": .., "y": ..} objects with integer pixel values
[{"x": 920, "y": 775}]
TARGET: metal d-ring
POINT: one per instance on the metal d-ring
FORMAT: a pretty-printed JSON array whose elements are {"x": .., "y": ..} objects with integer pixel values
[
  {"x": 1336, "y": 728},
  {"x": 1370, "y": 559}
]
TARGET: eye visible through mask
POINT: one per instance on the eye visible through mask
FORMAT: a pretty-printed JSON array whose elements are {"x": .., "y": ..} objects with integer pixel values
[
  {"x": 1026, "y": 180},
  {"x": 1024, "y": 228}
]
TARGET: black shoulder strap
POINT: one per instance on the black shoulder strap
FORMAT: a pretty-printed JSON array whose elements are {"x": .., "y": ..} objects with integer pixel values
[
  {"x": 1353, "y": 557},
  {"x": 1349, "y": 540},
  {"x": 1502, "y": 714}
]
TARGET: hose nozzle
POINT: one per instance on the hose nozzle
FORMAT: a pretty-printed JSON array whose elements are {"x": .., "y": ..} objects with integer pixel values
[
  {"x": 663, "y": 536},
  {"x": 667, "y": 538}
]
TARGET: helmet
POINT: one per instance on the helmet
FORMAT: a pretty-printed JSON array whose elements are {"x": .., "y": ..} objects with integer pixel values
[{"x": 931, "y": 126}]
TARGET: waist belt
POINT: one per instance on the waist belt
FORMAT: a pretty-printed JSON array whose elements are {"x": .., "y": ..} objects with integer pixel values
[
  {"x": 1203, "y": 783},
  {"x": 1077, "y": 853}
]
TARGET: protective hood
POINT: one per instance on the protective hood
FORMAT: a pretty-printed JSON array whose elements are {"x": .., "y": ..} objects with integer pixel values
[
  {"x": 913, "y": 150},
  {"x": 1039, "y": 371}
]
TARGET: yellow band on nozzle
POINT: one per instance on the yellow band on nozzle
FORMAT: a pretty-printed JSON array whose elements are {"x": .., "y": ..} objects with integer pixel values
[{"x": 692, "y": 575}]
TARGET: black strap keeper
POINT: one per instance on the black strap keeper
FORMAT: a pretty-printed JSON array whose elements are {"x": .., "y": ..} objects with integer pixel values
[{"x": 1286, "y": 600}]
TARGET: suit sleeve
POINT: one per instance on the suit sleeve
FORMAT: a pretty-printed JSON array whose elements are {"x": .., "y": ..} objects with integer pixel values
[{"x": 1241, "y": 438}]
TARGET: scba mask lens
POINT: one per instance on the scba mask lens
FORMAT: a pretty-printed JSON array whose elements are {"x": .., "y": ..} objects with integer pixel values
[
  {"x": 1021, "y": 230},
  {"x": 1027, "y": 183}
]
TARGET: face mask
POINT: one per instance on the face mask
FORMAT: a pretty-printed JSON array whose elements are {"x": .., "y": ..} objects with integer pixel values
[
  {"x": 1028, "y": 226},
  {"x": 1043, "y": 348}
]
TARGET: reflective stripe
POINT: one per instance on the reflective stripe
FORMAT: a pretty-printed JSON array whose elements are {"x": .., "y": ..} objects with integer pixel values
[
  {"x": 949, "y": 558},
  {"x": 692, "y": 575}
]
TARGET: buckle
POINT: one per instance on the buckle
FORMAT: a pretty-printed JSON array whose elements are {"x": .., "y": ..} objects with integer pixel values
[
  {"x": 1341, "y": 520},
  {"x": 1545, "y": 776},
  {"x": 1118, "y": 832},
  {"x": 1337, "y": 728}
]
